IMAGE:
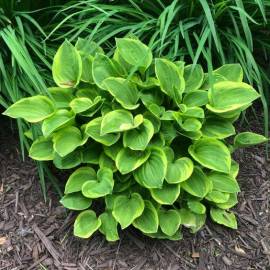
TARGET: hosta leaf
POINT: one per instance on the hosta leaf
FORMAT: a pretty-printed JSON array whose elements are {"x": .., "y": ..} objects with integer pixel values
[
  {"x": 103, "y": 68},
  {"x": 196, "y": 98},
  {"x": 118, "y": 121},
  {"x": 87, "y": 67},
  {"x": 94, "y": 108},
  {"x": 127, "y": 208},
  {"x": 169, "y": 221},
  {"x": 223, "y": 182},
  {"x": 152, "y": 96},
  {"x": 75, "y": 201},
  {"x": 169, "y": 154},
  {"x": 198, "y": 184},
  {"x": 122, "y": 186},
  {"x": 107, "y": 162},
  {"x": 67, "y": 140},
  {"x": 92, "y": 91},
  {"x": 217, "y": 128},
  {"x": 128, "y": 160},
  {"x": 191, "y": 220},
  {"x": 126, "y": 68},
  {"x": 183, "y": 108},
  {"x": 138, "y": 138},
  {"x": 193, "y": 135},
  {"x": 31, "y": 109},
  {"x": 161, "y": 235},
  {"x": 217, "y": 196},
  {"x": 154, "y": 120},
  {"x": 170, "y": 115},
  {"x": 78, "y": 178},
  {"x": 215, "y": 78},
  {"x": 101, "y": 186},
  {"x": 188, "y": 218},
  {"x": 193, "y": 112},
  {"x": 109, "y": 201},
  {"x": 232, "y": 201},
  {"x": 61, "y": 96},
  {"x": 112, "y": 151},
  {"x": 191, "y": 124},
  {"x": 229, "y": 96},
  {"x": 223, "y": 217},
  {"x": 156, "y": 110},
  {"x": 232, "y": 115},
  {"x": 93, "y": 129},
  {"x": 212, "y": 154},
  {"x": 120, "y": 68},
  {"x": 42, "y": 149},
  {"x": 179, "y": 170},
  {"x": 87, "y": 50},
  {"x": 246, "y": 139},
  {"x": 87, "y": 47},
  {"x": 199, "y": 223},
  {"x": 181, "y": 66},
  {"x": 196, "y": 207},
  {"x": 168, "y": 131},
  {"x": 232, "y": 72},
  {"x": 109, "y": 226},
  {"x": 171, "y": 81},
  {"x": 67, "y": 66},
  {"x": 91, "y": 152},
  {"x": 70, "y": 161},
  {"x": 149, "y": 83},
  {"x": 234, "y": 169},
  {"x": 125, "y": 92},
  {"x": 58, "y": 120},
  {"x": 148, "y": 221},
  {"x": 86, "y": 224},
  {"x": 81, "y": 104},
  {"x": 168, "y": 194},
  {"x": 152, "y": 173},
  {"x": 193, "y": 77},
  {"x": 134, "y": 52}
]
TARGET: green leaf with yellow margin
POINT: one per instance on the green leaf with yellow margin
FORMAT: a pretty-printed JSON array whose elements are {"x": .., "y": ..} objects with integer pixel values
[
  {"x": 42, "y": 149},
  {"x": 75, "y": 201},
  {"x": 67, "y": 66},
  {"x": 223, "y": 217},
  {"x": 169, "y": 221},
  {"x": 166, "y": 195},
  {"x": 212, "y": 154},
  {"x": 86, "y": 224},
  {"x": 109, "y": 226},
  {"x": 152, "y": 172},
  {"x": 128, "y": 160},
  {"x": 32, "y": 109},
  {"x": 78, "y": 178},
  {"x": 127, "y": 208},
  {"x": 101, "y": 186},
  {"x": 148, "y": 221}
]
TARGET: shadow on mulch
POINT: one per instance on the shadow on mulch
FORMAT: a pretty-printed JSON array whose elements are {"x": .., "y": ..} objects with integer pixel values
[{"x": 38, "y": 235}]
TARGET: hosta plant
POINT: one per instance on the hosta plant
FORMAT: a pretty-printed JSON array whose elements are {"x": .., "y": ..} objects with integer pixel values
[{"x": 149, "y": 140}]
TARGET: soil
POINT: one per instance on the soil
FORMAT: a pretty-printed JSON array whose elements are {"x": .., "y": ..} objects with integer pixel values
[{"x": 38, "y": 235}]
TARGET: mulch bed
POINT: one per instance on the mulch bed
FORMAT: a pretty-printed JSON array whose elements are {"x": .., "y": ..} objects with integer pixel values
[{"x": 38, "y": 235}]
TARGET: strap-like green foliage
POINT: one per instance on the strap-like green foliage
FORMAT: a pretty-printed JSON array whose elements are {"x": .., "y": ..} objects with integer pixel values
[{"x": 146, "y": 137}]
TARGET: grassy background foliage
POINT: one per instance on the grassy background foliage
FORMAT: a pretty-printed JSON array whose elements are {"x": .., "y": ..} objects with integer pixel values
[{"x": 211, "y": 33}]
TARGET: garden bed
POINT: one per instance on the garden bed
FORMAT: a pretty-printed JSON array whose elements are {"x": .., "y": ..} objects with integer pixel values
[{"x": 38, "y": 235}]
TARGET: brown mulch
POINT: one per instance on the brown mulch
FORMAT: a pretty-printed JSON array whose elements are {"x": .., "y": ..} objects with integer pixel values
[{"x": 38, "y": 235}]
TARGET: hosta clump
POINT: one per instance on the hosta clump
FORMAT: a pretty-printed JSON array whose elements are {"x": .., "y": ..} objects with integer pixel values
[{"x": 147, "y": 138}]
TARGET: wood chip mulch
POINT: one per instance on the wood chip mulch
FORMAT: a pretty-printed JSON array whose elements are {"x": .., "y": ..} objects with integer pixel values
[{"x": 38, "y": 235}]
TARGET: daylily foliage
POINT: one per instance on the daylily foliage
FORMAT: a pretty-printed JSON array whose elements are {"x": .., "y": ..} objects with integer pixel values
[{"x": 147, "y": 138}]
